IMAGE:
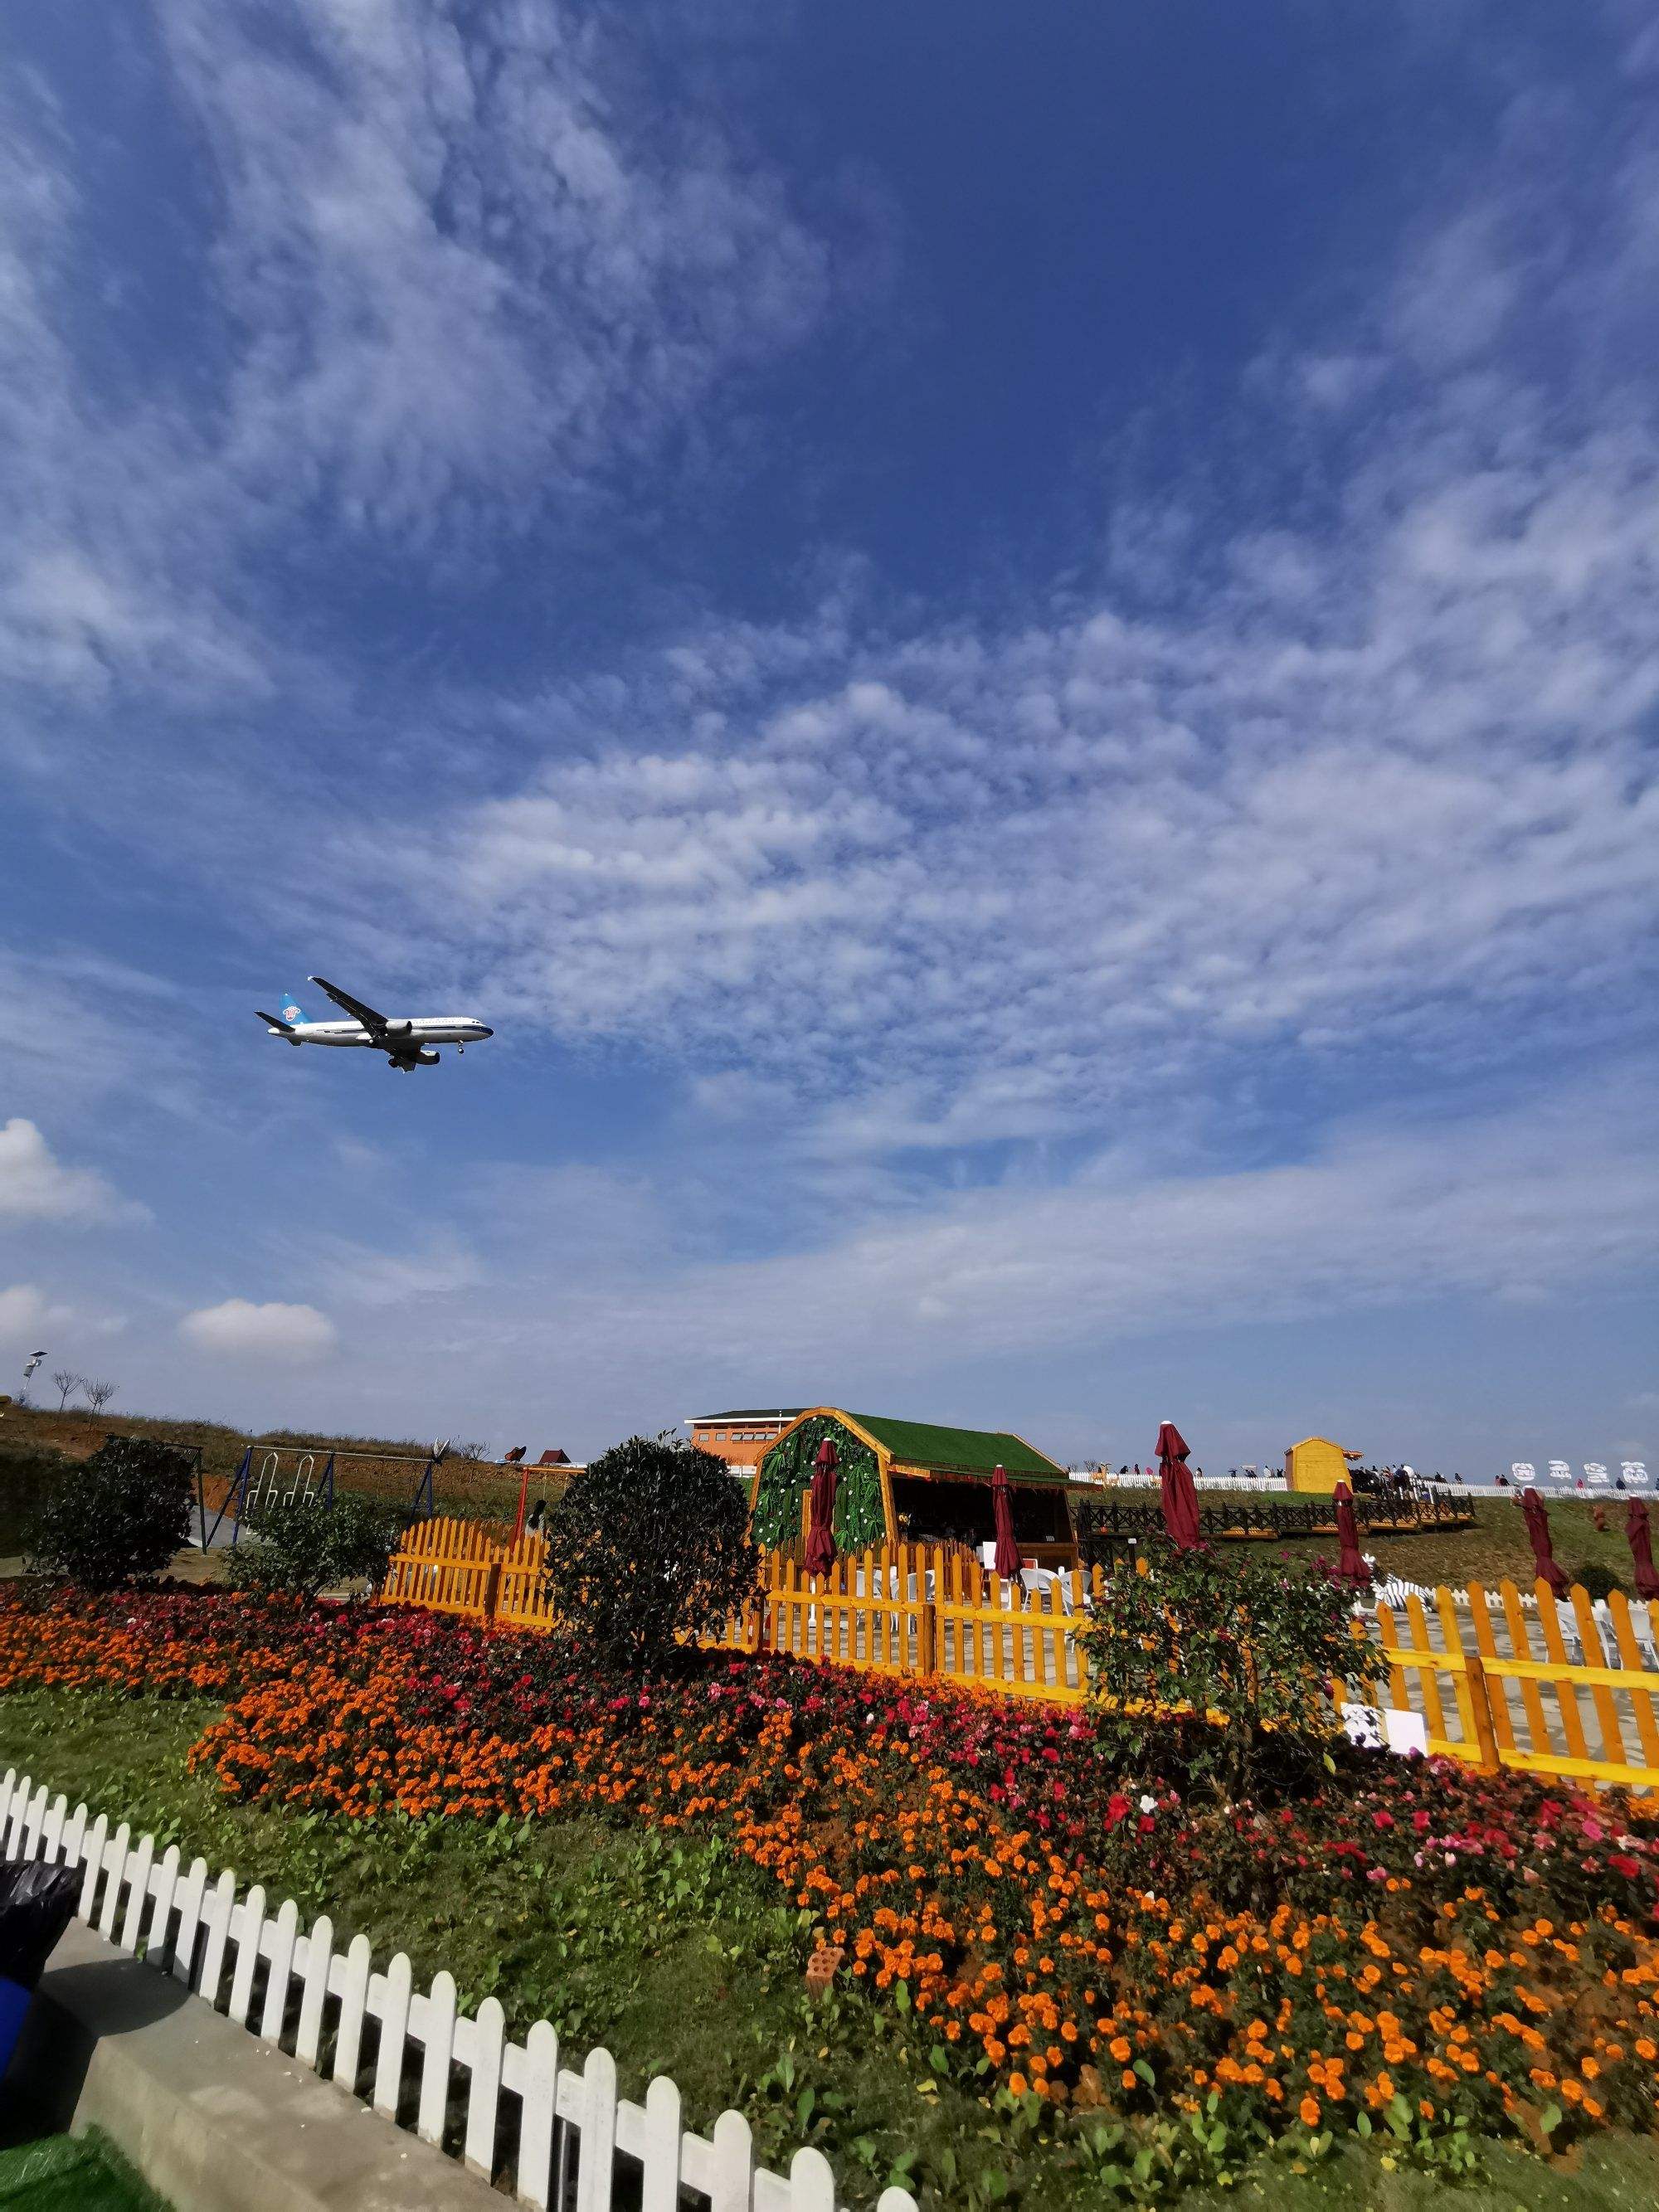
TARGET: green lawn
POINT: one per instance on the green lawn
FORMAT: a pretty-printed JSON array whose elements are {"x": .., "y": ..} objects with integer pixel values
[
  {"x": 680, "y": 1959},
  {"x": 1496, "y": 1546},
  {"x": 63, "y": 2174}
]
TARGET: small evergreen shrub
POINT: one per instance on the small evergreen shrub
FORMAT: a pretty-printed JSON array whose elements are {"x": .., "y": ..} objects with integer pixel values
[
  {"x": 115, "y": 1518},
  {"x": 650, "y": 1544},
  {"x": 27, "y": 1477},
  {"x": 312, "y": 1545},
  {"x": 1599, "y": 1582},
  {"x": 1257, "y": 1644}
]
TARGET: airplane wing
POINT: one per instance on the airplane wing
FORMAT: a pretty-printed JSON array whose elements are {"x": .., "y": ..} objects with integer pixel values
[{"x": 376, "y": 1024}]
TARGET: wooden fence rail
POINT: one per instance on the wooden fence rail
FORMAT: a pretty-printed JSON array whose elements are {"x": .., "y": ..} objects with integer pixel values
[
  {"x": 516, "y": 2112},
  {"x": 1517, "y": 1698},
  {"x": 934, "y": 1613}
]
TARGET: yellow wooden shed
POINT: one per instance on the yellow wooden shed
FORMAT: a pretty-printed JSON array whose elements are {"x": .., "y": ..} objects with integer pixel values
[{"x": 1317, "y": 1464}]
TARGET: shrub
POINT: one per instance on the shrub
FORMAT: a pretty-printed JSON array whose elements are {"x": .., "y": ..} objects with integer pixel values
[
  {"x": 1598, "y": 1582},
  {"x": 314, "y": 1545},
  {"x": 117, "y": 1517},
  {"x": 26, "y": 1479},
  {"x": 650, "y": 1544},
  {"x": 1258, "y": 1644}
]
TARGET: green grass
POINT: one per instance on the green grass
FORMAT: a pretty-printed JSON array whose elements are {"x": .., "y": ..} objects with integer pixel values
[
  {"x": 682, "y": 1960},
  {"x": 38, "y": 1444},
  {"x": 1497, "y": 1547},
  {"x": 63, "y": 2174}
]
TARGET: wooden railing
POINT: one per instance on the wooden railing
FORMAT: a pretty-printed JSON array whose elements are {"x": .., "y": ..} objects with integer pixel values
[
  {"x": 1478, "y": 1673},
  {"x": 446, "y": 1566},
  {"x": 1500, "y": 1658},
  {"x": 1110, "y": 1519}
]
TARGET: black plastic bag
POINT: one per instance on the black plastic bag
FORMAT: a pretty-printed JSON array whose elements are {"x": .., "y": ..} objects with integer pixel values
[{"x": 37, "y": 1903}]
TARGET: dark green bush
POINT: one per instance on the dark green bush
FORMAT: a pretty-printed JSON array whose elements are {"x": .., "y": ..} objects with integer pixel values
[
  {"x": 1598, "y": 1581},
  {"x": 116, "y": 1517},
  {"x": 312, "y": 1545},
  {"x": 26, "y": 1478},
  {"x": 650, "y": 1544},
  {"x": 1257, "y": 1643}
]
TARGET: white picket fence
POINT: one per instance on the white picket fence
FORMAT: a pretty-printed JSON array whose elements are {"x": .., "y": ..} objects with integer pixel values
[{"x": 554, "y": 2133}]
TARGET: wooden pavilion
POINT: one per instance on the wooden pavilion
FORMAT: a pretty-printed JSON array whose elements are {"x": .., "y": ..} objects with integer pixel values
[{"x": 905, "y": 1482}]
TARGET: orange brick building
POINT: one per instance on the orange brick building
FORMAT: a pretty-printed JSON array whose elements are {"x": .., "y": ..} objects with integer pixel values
[{"x": 741, "y": 1435}]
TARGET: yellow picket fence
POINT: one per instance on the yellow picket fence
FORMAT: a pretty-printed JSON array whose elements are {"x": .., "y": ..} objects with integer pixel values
[
  {"x": 1495, "y": 1685},
  {"x": 929, "y": 1611},
  {"x": 1516, "y": 1697},
  {"x": 446, "y": 1566}
]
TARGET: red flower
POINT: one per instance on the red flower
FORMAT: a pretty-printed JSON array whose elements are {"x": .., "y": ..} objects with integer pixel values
[{"x": 1116, "y": 1807}]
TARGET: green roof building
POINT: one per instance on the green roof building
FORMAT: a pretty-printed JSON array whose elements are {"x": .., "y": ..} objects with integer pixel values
[{"x": 910, "y": 1482}]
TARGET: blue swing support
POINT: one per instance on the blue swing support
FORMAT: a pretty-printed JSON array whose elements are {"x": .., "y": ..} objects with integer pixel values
[{"x": 245, "y": 1482}]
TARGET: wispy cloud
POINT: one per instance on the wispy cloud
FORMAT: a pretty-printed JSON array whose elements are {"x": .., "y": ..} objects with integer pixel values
[
  {"x": 463, "y": 270},
  {"x": 36, "y": 1186}
]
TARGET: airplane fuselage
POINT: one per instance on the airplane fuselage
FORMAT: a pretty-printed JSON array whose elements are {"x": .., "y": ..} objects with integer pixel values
[{"x": 401, "y": 1036}]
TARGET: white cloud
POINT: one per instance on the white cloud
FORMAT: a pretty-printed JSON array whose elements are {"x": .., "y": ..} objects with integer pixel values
[
  {"x": 470, "y": 263},
  {"x": 25, "y": 1312},
  {"x": 27, "y": 1316},
  {"x": 459, "y": 267},
  {"x": 1009, "y": 879},
  {"x": 35, "y": 1185},
  {"x": 274, "y": 1333},
  {"x": 1564, "y": 1194},
  {"x": 590, "y": 1316}
]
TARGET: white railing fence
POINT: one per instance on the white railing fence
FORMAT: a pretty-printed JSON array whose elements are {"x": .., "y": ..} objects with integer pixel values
[{"x": 554, "y": 2134}]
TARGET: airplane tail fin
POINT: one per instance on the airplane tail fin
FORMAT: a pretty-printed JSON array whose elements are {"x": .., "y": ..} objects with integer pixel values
[{"x": 290, "y": 1010}]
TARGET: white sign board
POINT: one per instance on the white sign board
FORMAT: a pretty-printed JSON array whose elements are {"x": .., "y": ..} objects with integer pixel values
[{"x": 1372, "y": 1727}]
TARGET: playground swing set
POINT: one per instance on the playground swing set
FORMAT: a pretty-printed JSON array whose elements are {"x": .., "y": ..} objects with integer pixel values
[{"x": 287, "y": 1476}]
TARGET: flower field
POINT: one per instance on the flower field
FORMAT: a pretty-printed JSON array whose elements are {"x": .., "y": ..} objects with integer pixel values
[{"x": 1408, "y": 1947}]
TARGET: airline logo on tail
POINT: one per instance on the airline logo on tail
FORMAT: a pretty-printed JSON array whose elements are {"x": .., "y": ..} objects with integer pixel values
[{"x": 290, "y": 1010}]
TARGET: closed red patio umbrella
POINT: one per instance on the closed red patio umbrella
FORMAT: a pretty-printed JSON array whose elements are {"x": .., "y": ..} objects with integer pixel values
[
  {"x": 1549, "y": 1568},
  {"x": 1350, "y": 1566},
  {"x": 821, "y": 1510},
  {"x": 1006, "y": 1559},
  {"x": 1641, "y": 1548},
  {"x": 1179, "y": 1492}
]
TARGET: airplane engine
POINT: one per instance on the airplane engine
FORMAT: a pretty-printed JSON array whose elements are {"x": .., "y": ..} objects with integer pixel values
[{"x": 405, "y": 1061}]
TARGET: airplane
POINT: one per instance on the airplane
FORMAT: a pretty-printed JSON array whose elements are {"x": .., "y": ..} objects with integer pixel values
[{"x": 405, "y": 1043}]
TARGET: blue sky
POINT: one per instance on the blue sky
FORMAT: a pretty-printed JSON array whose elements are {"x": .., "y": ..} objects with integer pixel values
[{"x": 1017, "y": 658}]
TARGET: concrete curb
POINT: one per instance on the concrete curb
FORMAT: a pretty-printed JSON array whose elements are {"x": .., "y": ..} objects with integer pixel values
[{"x": 214, "y": 2119}]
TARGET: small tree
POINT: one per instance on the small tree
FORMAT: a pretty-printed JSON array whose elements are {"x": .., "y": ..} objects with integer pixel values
[
  {"x": 98, "y": 1394},
  {"x": 1239, "y": 1653},
  {"x": 66, "y": 1380},
  {"x": 116, "y": 1517},
  {"x": 649, "y": 1546},
  {"x": 302, "y": 1549}
]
